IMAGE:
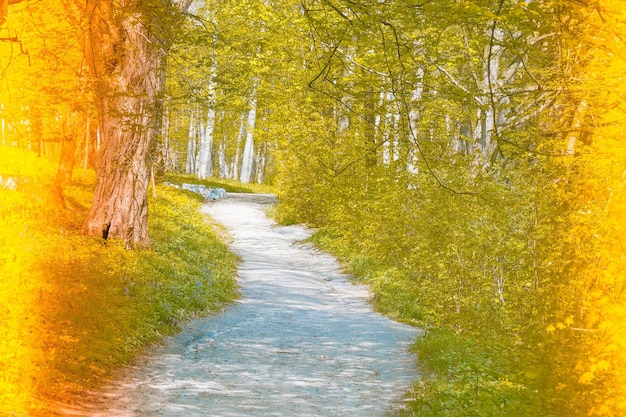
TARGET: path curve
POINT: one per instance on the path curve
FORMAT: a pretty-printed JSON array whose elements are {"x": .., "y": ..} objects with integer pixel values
[{"x": 301, "y": 341}]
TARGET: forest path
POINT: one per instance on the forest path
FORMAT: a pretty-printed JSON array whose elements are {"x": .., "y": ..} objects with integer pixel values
[{"x": 301, "y": 341}]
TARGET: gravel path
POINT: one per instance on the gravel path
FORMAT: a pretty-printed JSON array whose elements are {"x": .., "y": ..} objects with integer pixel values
[{"x": 301, "y": 341}]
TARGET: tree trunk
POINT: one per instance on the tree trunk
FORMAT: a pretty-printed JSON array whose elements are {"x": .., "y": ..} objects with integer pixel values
[
  {"x": 68, "y": 150},
  {"x": 204, "y": 164},
  {"x": 205, "y": 153},
  {"x": 247, "y": 161},
  {"x": 128, "y": 63},
  {"x": 223, "y": 163},
  {"x": 190, "y": 166},
  {"x": 260, "y": 163},
  {"x": 576, "y": 127},
  {"x": 415, "y": 120},
  {"x": 240, "y": 136},
  {"x": 87, "y": 139}
]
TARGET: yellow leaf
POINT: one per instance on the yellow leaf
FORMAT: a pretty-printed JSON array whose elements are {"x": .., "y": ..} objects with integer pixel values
[
  {"x": 603, "y": 365},
  {"x": 607, "y": 324},
  {"x": 585, "y": 378}
]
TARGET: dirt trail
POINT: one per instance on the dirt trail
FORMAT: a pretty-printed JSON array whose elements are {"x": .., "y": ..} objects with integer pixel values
[{"x": 301, "y": 341}]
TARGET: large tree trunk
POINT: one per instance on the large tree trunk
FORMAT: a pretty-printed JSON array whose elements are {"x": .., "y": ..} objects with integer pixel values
[{"x": 128, "y": 63}]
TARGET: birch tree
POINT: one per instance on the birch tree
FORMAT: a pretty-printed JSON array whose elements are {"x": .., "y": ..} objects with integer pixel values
[
  {"x": 247, "y": 159},
  {"x": 204, "y": 164}
]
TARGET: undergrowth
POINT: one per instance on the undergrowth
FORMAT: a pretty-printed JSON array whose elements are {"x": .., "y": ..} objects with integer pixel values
[
  {"x": 231, "y": 186},
  {"x": 466, "y": 371},
  {"x": 75, "y": 309}
]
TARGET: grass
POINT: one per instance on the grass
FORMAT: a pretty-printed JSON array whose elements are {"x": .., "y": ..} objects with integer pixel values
[
  {"x": 483, "y": 372},
  {"x": 231, "y": 186},
  {"x": 74, "y": 310}
]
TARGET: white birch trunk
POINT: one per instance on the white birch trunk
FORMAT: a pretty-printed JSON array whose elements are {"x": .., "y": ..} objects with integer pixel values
[
  {"x": 190, "y": 166},
  {"x": 205, "y": 160},
  {"x": 416, "y": 98},
  {"x": 240, "y": 137},
  {"x": 343, "y": 122},
  {"x": 395, "y": 152},
  {"x": 377, "y": 119},
  {"x": 414, "y": 125},
  {"x": 391, "y": 144},
  {"x": 347, "y": 102},
  {"x": 490, "y": 99},
  {"x": 576, "y": 127},
  {"x": 222, "y": 162},
  {"x": 260, "y": 163},
  {"x": 247, "y": 161}
]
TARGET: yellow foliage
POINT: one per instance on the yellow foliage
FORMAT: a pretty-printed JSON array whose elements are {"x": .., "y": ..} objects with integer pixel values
[
  {"x": 585, "y": 378},
  {"x": 605, "y": 164}
]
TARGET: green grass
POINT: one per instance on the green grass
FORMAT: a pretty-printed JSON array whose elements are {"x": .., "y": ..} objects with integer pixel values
[
  {"x": 230, "y": 186},
  {"x": 467, "y": 375},
  {"x": 466, "y": 371},
  {"x": 75, "y": 310}
]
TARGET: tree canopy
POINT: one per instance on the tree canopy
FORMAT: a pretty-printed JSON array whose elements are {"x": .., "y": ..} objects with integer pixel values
[{"x": 464, "y": 156}]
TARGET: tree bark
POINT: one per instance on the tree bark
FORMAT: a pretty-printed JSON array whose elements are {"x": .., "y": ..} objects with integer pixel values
[
  {"x": 240, "y": 137},
  {"x": 248, "y": 150},
  {"x": 128, "y": 62},
  {"x": 576, "y": 127},
  {"x": 68, "y": 150},
  {"x": 204, "y": 164},
  {"x": 205, "y": 154}
]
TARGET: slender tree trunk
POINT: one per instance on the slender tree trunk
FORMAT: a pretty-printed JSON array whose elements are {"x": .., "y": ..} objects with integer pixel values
[
  {"x": 190, "y": 165},
  {"x": 128, "y": 62},
  {"x": 240, "y": 138},
  {"x": 223, "y": 163},
  {"x": 576, "y": 127},
  {"x": 415, "y": 119},
  {"x": 204, "y": 164},
  {"x": 205, "y": 153},
  {"x": 247, "y": 161},
  {"x": 87, "y": 138},
  {"x": 68, "y": 150},
  {"x": 260, "y": 163}
]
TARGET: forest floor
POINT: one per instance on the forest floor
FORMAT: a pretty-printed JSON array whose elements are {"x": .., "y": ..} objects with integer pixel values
[{"x": 301, "y": 341}]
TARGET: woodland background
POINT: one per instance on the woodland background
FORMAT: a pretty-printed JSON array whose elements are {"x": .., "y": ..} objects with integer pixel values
[{"x": 464, "y": 157}]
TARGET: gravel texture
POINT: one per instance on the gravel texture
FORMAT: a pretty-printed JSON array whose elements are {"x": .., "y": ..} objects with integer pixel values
[{"x": 301, "y": 341}]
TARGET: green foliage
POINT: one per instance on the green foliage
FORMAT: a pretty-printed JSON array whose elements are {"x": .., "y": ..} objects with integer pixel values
[
  {"x": 232, "y": 54},
  {"x": 230, "y": 186},
  {"x": 436, "y": 147},
  {"x": 469, "y": 376},
  {"x": 77, "y": 308},
  {"x": 119, "y": 301},
  {"x": 434, "y": 163}
]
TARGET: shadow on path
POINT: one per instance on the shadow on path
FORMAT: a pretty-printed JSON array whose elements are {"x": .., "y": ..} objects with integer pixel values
[{"x": 301, "y": 341}]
